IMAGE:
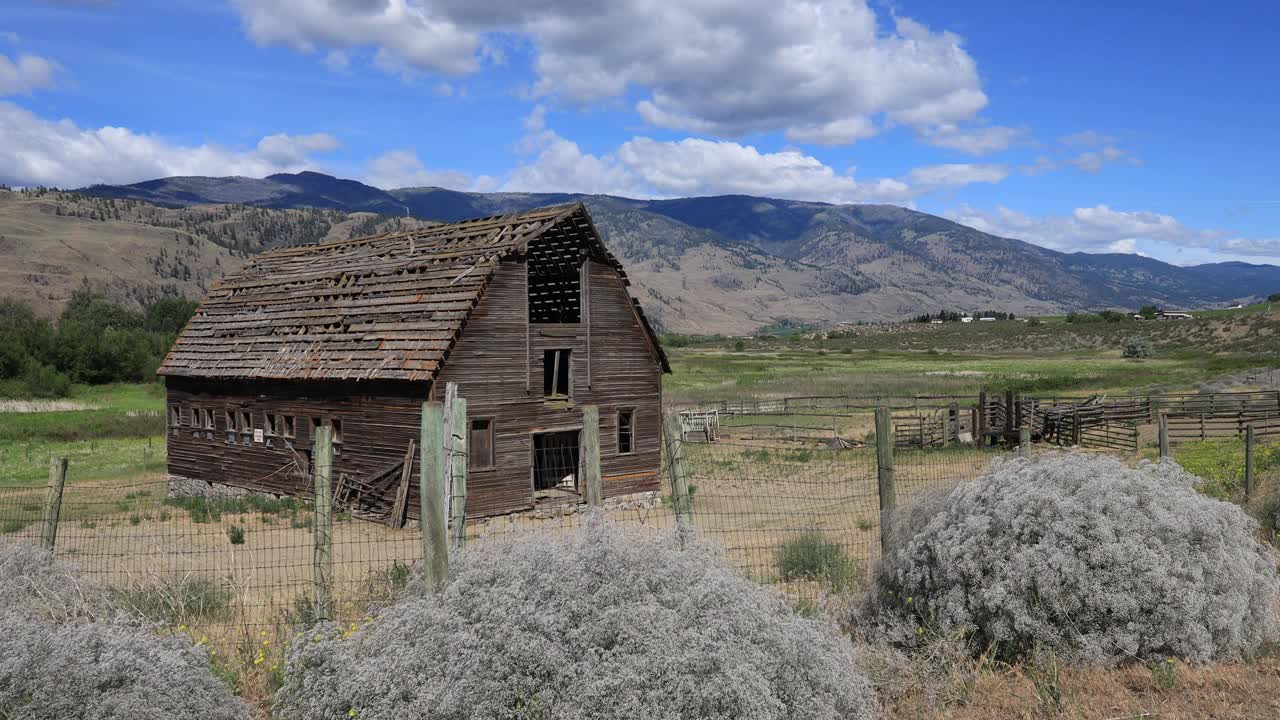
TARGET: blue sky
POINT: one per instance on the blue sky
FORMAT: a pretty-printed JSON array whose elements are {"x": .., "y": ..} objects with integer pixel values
[{"x": 1084, "y": 126}]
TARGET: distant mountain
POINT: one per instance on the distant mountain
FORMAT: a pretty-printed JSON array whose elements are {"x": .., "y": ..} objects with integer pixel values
[{"x": 734, "y": 263}]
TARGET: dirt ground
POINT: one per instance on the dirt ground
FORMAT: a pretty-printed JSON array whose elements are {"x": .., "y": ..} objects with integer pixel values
[{"x": 1221, "y": 692}]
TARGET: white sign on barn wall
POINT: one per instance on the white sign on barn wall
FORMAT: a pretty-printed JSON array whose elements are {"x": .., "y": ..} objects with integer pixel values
[{"x": 257, "y": 435}]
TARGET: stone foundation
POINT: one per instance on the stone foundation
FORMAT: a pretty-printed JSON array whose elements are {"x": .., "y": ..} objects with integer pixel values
[{"x": 180, "y": 486}]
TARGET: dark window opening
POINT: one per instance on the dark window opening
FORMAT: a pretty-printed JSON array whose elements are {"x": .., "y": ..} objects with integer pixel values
[
  {"x": 555, "y": 373},
  {"x": 555, "y": 297},
  {"x": 289, "y": 428},
  {"x": 555, "y": 464},
  {"x": 206, "y": 423},
  {"x": 337, "y": 431},
  {"x": 272, "y": 426},
  {"x": 626, "y": 431},
  {"x": 480, "y": 443}
]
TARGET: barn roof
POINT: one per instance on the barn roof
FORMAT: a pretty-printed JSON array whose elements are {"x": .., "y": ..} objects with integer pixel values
[{"x": 388, "y": 307}]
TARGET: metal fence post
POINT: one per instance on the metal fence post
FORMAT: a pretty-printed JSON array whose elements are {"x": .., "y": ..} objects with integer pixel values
[
  {"x": 431, "y": 495},
  {"x": 458, "y": 474},
  {"x": 53, "y": 502},
  {"x": 1024, "y": 441},
  {"x": 885, "y": 472},
  {"x": 591, "y": 455},
  {"x": 1164, "y": 436},
  {"x": 675, "y": 459},
  {"x": 1248, "y": 462},
  {"x": 322, "y": 469}
]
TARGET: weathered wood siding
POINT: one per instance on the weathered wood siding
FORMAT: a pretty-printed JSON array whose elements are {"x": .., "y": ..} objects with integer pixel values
[
  {"x": 489, "y": 364},
  {"x": 377, "y": 422}
]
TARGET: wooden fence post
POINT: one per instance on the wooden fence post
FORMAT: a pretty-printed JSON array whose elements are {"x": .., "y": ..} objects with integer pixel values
[
  {"x": 53, "y": 502},
  {"x": 457, "y": 482},
  {"x": 322, "y": 471},
  {"x": 1024, "y": 441},
  {"x": 431, "y": 492},
  {"x": 1164, "y": 436},
  {"x": 885, "y": 472},
  {"x": 980, "y": 429},
  {"x": 1248, "y": 462},
  {"x": 591, "y": 455},
  {"x": 675, "y": 459}
]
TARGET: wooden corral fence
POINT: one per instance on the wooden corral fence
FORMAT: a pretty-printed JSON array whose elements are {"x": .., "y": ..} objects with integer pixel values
[
  {"x": 1184, "y": 428},
  {"x": 933, "y": 420},
  {"x": 954, "y": 423},
  {"x": 699, "y": 422}
]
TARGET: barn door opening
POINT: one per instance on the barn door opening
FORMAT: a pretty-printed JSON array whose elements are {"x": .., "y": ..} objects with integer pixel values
[{"x": 555, "y": 465}]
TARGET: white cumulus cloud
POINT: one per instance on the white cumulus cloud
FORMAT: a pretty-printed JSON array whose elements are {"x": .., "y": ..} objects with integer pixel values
[
  {"x": 822, "y": 72},
  {"x": 25, "y": 74},
  {"x": 1100, "y": 228},
  {"x": 981, "y": 140},
  {"x": 645, "y": 167},
  {"x": 403, "y": 168},
  {"x": 36, "y": 151}
]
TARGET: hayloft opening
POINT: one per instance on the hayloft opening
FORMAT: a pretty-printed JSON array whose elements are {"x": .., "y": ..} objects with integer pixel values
[
  {"x": 555, "y": 464},
  {"x": 555, "y": 279}
]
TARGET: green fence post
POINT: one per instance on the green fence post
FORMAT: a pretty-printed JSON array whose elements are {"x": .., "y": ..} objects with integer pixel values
[{"x": 431, "y": 495}]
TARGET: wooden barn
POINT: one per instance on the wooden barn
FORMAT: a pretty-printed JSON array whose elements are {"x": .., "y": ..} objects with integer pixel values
[{"x": 529, "y": 314}]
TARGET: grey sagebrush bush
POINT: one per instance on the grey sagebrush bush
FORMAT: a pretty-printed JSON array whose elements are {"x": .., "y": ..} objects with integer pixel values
[
  {"x": 601, "y": 623},
  {"x": 68, "y": 653},
  {"x": 1081, "y": 555}
]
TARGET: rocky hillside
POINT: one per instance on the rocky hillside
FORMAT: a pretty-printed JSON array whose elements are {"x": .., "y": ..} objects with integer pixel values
[
  {"x": 53, "y": 243},
  {"x": 725, "y": 264}
]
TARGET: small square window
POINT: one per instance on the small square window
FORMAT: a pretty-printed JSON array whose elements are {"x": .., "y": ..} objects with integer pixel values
[
  {"x": 480, "y": 443},
  {"x": 626, "y": 431}
]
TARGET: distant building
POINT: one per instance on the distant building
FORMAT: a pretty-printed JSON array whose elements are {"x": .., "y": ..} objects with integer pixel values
[
  {"x": 987, "y": 319},
  {"x": 1237, "y": 306},
  {"x": 966, "y": 319},
  {"x": 1174, "y": 316}
]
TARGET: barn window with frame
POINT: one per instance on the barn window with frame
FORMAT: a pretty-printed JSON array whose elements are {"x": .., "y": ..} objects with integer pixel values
[
  {"x": 557, "y": 380},
  {"x": 480, "y": 444},
  {"x": 626, "y": 431}
]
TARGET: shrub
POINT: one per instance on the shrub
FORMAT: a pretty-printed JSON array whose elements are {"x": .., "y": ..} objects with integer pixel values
[
  {"x": 1137, "y": 347},
  {"x": 1085, "y": 558},
  {"x": 185, "y": 600},
  {"x": 814, "y": 556},
  {"x": 235, "y": 534},
  {"x": 69, "y": 653},
  {"x": 602, "y": 622}
]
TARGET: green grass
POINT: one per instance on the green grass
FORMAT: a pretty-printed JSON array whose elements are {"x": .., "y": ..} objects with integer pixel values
[
  {"x": 27, "y": 463},
  {"x": 117, "y": 411},
  {"x": 812, "y": 368}
]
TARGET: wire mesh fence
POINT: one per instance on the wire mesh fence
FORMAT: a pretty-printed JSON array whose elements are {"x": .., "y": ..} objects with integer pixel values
[{"x": 803, "y": 516}]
